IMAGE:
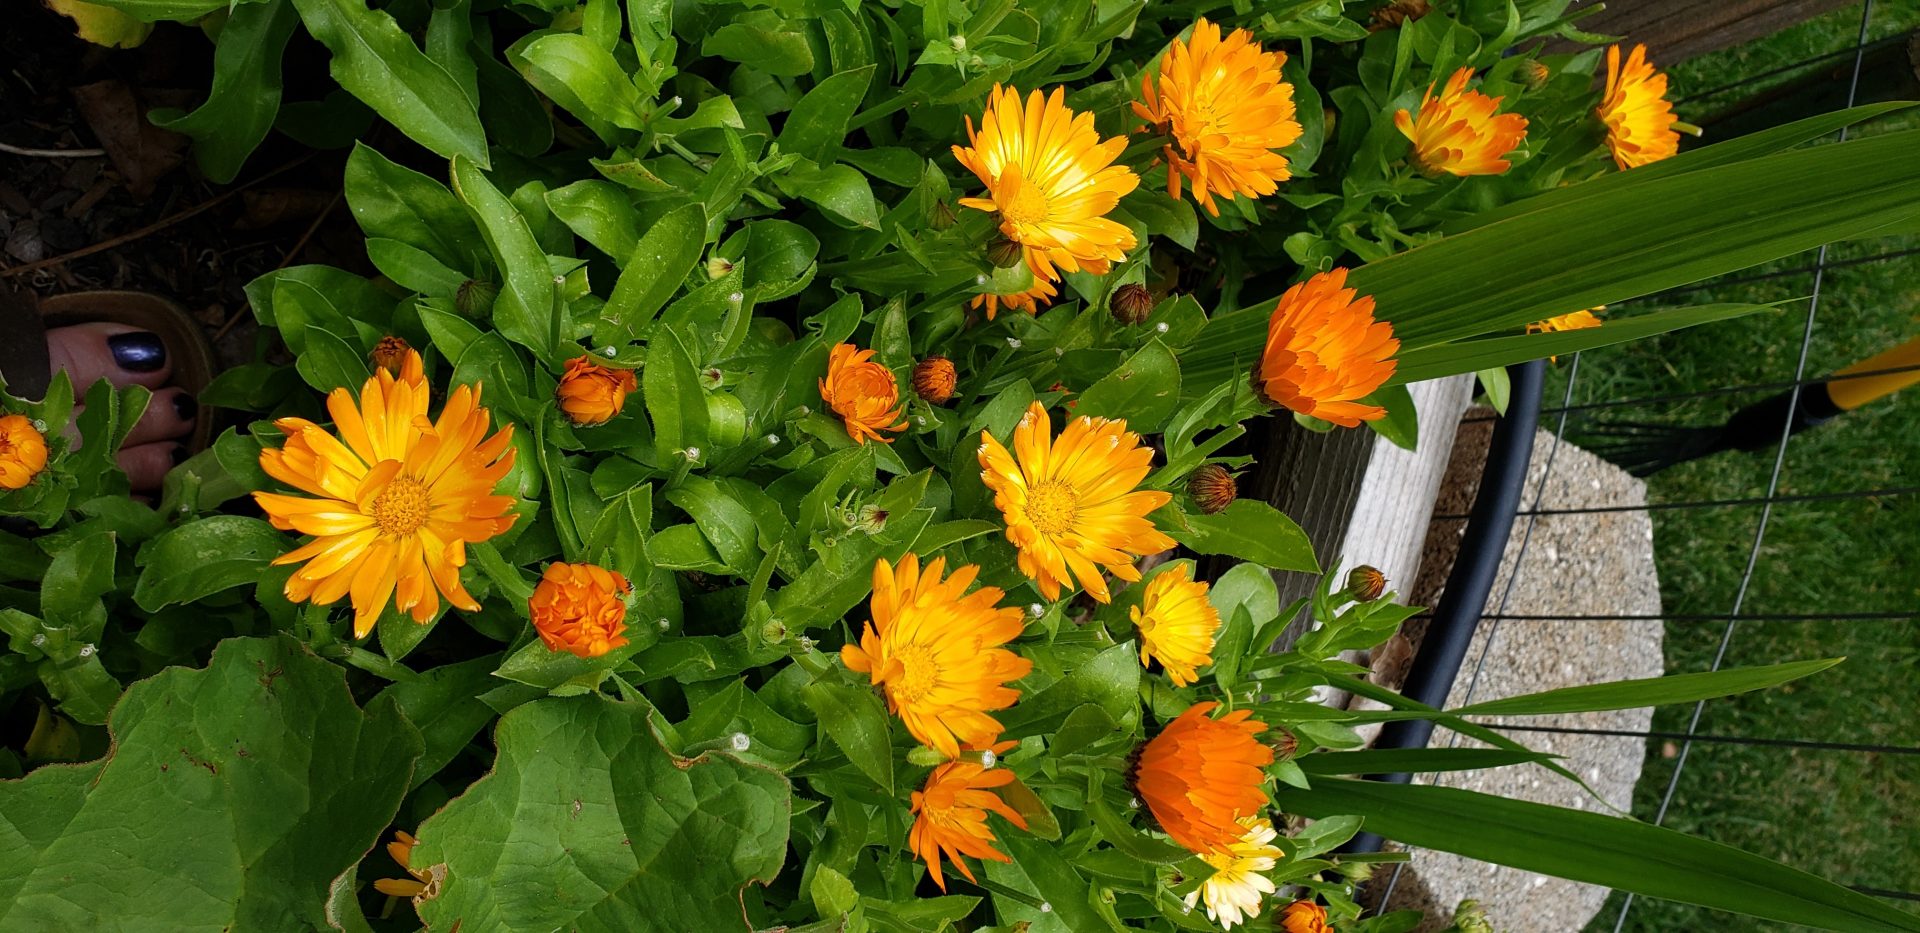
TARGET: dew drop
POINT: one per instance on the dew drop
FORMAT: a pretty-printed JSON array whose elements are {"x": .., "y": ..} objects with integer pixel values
[
  {"x": 39, "y": 639},
  {"x": 1161, "y": 327},
  {"x": 988, "y": 759},
  {"x": 691, "y": 453},
  {"x": 1036, "y": 610},
  {"x": 1045, "y": 907},
  {"x": 1013, "y": 342},
  {"x": 662, "y": 624},
  {"x": 736, "y": 297},
  {"x": 740, "y": 742},
  {"x": 86, "y": 651},
  {"x": 40, "y": 425},
  {"x": 979, "y": 280},
  {"x": 610, "y": 352},
  {"x": 773, "y": 440}
]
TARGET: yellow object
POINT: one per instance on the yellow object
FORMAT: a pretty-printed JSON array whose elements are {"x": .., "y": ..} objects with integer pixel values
[
  {"x": 395, "y": 499},
  {"x": 1227, "y": 108},
  {"x": 1051, "y": 180},
  {"x": 592, "y": 394},
  {"x": 1641, "y": 127},
  {"x": 1325, "y": 352},
  {"x": 1200, "y": 775},
  {"x": 23, "y": 451},
  {"x": 1030, "y": 301},
  {"x": 1177, "y": 624},
  {"x": 1233, "y": 892},
  {"x": 580, "y": 608},
  {"x": 1069, "y": 502},
  {"x": 863, "y": 393},
  {"x": 939, "y": 652},
  {"x": 1461, "y": 132},
  {"x": 102, "y": 25},
  {"x": 1850, "y": 394}
]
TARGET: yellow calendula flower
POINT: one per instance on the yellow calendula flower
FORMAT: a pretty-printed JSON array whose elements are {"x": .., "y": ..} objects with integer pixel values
[
  {"x": 1234, "y": 890},
  {"x": 1227, "y": 108},
  {"x": 1177, "y": 624},
  {"x": 938, "y": 652},
  {"x": 580, "y": 608},
  {"x": 1641, "y": 126},
  {"x": 1052, "y": 181},
  {"x": 23, "y": 451},
  {"x": 950, "y": 816},
  {"x": 421, "y": 884},
  {"x": 395, "y": 498},
  {"x": 1070, "y": 503},
  {"x": 1031, "y": 301},
  {"x": 863, "y": 393},
  {"x": 1577, "y": 320},
  {"x": 1325, "y": 351},
  {"x": 1461, "y": 132}
]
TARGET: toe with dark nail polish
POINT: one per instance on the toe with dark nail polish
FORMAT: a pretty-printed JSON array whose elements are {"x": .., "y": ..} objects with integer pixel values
[
  {"x": 184, "y": 407},
  {"x": 179, "y": 454},
  {"x": 138, "y": 352}
]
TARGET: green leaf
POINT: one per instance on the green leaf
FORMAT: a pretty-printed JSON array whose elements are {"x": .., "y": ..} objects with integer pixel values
[
  {"x": 413, "y": 268},
  {"x": 655, "y": 268},
  {"x": 1652, "y": 691},
  {"x": 203, "y": 557},
  {"x": 723, "y": 519},
  {"x": 246, "y": 89},
  {"x": 1401, "y": 424},
  {"x": 839, "y": 190},
  {"x": 1144, "y": 390},
  {"x": 1250, "y": 530},
  {"x": 398, "y": 203},
  {"x": 149, "y": 11},
  {"x": 378, "y": 62},
  {"x": 817, "y": 125},
  {"x": 1494, "y": 352},
  {"x": 78, "y": 576},
  {"x": 859, "y": 724},
  {"x": 600, "y": 213},
  {"x": 328, "y": 362},
  {"x": 675, "y": 400},
  {"x": 525, "y": 311},
  {"x": 586, "y": 823},
  {"x": 586, "y": 80},
  {"x": 1623, "y": 854},
  {"x": 1121, "y": 835},
  {"x": 231, "y": 798},
  {"x": 776, "y": 52},
  {"x": 1415, "y": 760},
  {"x": 444, "y": 704},
  {"x": 1109, "y": 680}
]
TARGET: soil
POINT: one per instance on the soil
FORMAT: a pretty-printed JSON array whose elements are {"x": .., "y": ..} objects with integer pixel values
[{"x": 167, "y": 229}]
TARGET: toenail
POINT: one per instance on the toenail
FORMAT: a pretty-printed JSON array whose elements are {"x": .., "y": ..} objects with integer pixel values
[
  {"x": 184, "y": 407},
  {"x": 138, "y": 352},
  {"x": 179, "y": 455}
]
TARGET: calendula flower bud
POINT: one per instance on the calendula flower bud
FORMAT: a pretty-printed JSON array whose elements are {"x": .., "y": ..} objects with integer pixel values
[
  {"x": 1537, "y": 74},
  {"x": 23, "y": 451},
  {"x": 1284, "y": 744},
  {"x": 1304, "y": 917},
  {"x": 934, "y": 379},
  {"x": 1357, "y": 872},
  {"x": 474, "y": 298},
  {"x": 925, "y": 757},
  {"x": 870, "y": 519},
  {"x": 940, "y": 217},
  {"x": 1003, "y": 253},
  {"x": 1131, "y": 303},
  {"x": 718, "y": 267},
  {"x": 1469, "y": 917},
  {"x": 1365, "y": 583},
  {"x": 592, "y": 394},
  {"x": 389, "y": 354},
  {"x": 1398, "y": 12},
  {"x": 1212, "y": 488},
  {"x": 580, "y": 608}
]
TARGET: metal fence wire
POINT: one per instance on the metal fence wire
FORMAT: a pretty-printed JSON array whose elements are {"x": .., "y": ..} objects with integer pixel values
[{"x": 1567, "y": 416}]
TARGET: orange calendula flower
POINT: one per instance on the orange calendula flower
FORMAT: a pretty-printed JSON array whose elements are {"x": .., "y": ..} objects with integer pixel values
[
  {"x": 401, "y": 849},
  {"x": 1052, "y": 181},
  {"x": 1324, "y": 350},
  {"x": 1577, "y": 320},
  {"x": 1200, "y": 775},
  {"x": 580, "y": 608},
  {"x": 1069, "y": 502},
  {"x": 1461, "y": 132},
  {"x": 862, "y": 392},
  {"x": 950, "y": 816},
  {"x": 396, "y": 498},
  {"x": 1031, "y": 301},
  {"x": 1177, "y": 624},
  {"x": 593, "y": 394},
  {"x": 938, "y": 652},
  {"x": 1304, "y": 917},
  {"x": 1641, "y": 126},
  {"x": 1233, "y": 892},
  {"x": 23, "y": 451},
  {"x": 1227, "y": 108}
]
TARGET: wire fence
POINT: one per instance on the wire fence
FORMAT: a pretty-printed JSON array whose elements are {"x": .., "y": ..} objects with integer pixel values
[{"x": 1677, "y": 746}]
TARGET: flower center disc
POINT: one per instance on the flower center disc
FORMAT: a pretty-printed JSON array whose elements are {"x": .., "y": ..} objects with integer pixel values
[
  {"x": 401, "y": 508},
  {"x": 1027, "y": 206},
  {"x": 919, "y": 674},
  {"x": 1052, "y": 506}
]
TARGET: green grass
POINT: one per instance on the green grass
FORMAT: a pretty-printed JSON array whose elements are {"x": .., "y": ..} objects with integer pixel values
[{"x": 1848, "y": 816}]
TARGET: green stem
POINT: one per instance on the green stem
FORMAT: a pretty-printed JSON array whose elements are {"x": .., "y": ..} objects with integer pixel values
[{"x": 1011, "y": 893}]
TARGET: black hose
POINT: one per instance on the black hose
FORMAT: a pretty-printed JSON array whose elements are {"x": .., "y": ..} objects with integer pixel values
[{"x": 1431, "y": 676}]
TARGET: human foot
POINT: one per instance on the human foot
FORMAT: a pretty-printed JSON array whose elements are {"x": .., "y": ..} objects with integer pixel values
[{"x": 127, "y": 356}]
